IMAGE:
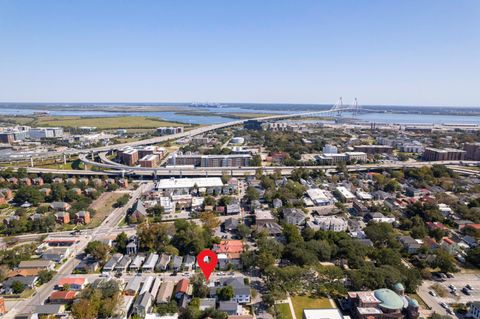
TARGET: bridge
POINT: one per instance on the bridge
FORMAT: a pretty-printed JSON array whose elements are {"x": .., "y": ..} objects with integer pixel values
[{"x": 336, "y": 109}]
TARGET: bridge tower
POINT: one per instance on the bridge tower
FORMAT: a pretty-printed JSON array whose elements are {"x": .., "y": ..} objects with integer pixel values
[{"x": 355, "y": 107}]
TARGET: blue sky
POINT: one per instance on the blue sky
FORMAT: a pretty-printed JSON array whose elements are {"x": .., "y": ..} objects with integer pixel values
[{"x": 404, "y": 52}]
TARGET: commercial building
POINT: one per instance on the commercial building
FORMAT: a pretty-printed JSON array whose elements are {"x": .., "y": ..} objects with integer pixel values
[
  {"x": 332, "y": 223},
  {"x": 235, "y": 160},
  {"x": 335, "y": 158},
  {"x": 446, "y": 154},
  {"x": 187, "y": 185},
  {"x": 45, "y": 132},
  {"x": 373, "y": 149},
  {"x": 169, "y": 130},
  {"x": 318, "y": 197},
  {"x": 472, "y": 151},
  {"x": 150, "y": 160},
  {"x": 345, "y": 194},
  {"x": 129, "y": 157},
  {"x": 330, "y": 149}
]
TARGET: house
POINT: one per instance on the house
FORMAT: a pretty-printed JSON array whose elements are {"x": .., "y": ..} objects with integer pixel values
[
  {"x": 62, "y": 297},
  {"x": 133, "y": 286},
  {"x": 207, "y": 303},
  {"x": 241, "y": 291},
  {"x": 132, "y": 247},
  {"x": 233, "y": 209},
  {"x": 277, "y": 203},
  {"x": 37, "y": 264},
  {"x": 112, "y": 262},
  {"x": 27, "y": 282},
  {"x": 82, "y": 217},
  {"x": 62, "y": 217},
  {"x": 38, "y": 181},
  {"x": 182, "y": 288},
  {"x": 449, "y": 245},
  {"x": 230, "y": 224},
  {"x": 231, "y": 251},
  {"x": 60, "y": 206},
  {"x": 50, "y": 310},
  {"x": 189, "y": 262},
  {"x": 474, "y": 311},
  {"x": 6, "y": 193},
  {"x": 143, "y": 305},
  {"x": 146, "y": 285},
  {"x": 122, "y": 265},
  {"x": 413, "y": 192},
  {"x": 293, "y": 216},
  {"x": 165, "y": 292},
  {"x": 74, "y": 283},
  {"x": 9, "y": 219},
  {"x": 87, "y": 266},
  {"x": 136, "y": 263},
  {"x": 163, "y": 262},
  {"x": 138, "y": 210},
  {"x": 378, "y": 218},
  {"x": 150, "y": 263},
  {"x": 176, "y": 263},
  {"x": 57, "y": 254},
  {"x": 332, "y": 223},
  {"x": 230, "y": 307},
  {"x": 45, "y": 191},
  {"x": 410, "y": 244},
  {"x": 26, "y": 181}
]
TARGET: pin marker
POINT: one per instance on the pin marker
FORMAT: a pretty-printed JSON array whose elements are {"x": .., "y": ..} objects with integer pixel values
[{"x": 207, "y": 261}]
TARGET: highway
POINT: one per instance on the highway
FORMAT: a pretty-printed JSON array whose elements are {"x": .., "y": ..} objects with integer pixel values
[{"x": 120, "y": 170}]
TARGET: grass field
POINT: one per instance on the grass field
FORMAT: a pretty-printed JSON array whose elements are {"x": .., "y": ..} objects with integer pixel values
[
  {"x": 284, "y": 310},
  {"x": 306, "y": 302},
  {"x": 103, "y": 206},
  {"x": 137, "y": 122}
]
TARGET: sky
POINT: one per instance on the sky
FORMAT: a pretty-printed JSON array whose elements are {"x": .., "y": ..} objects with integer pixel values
[{"x": 403, "y": 52}]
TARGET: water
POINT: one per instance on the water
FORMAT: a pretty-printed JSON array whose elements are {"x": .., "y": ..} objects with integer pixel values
[{"x": 380, "y": 117}]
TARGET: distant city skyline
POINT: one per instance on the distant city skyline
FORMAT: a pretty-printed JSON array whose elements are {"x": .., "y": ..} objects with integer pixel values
[{"x": 299, "y": 52}]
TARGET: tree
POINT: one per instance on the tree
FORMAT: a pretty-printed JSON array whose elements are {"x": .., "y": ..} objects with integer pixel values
[
  {"x": 444, "y": 261},
  {"x": 83, "y": 309},
  {"x": 200, "y": 289},
  {"x": 28, "y": 194},
  {"x": 251, "y": 194},
  {"x": 17, "y": 287},
  {"x": 156, "y": 211},
  {"x": 225, "y": 293},
  {"x": 473, "y": 256},
  {"x": 243, "y": 230},
  {"x": 291, "y": 233},
  {"x": 121, "y": 242},
  {"x": 98, "y": 250},
  {"x": 122, "y": 201},
  {"x": 209, "y": 201},
  {"x": 45, "y": 276},
  {"x": 209, "y": 220}
]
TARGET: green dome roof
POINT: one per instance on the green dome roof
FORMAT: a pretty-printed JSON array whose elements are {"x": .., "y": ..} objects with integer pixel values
[
  {"x": 413, "y": 303},
  {"x": 389, "y": 299},
  {"x": 398, "y": 287}
]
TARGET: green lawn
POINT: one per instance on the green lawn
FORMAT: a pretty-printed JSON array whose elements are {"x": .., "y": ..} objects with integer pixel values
[
  {"x": 306, "y": 302},
  {"x": 284, "y": 310}
]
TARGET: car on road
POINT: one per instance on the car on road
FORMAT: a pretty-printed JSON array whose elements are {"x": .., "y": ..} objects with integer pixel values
[
  {"x": 432, "y": 293},
  {"x": 444, "y": 305},
  {"x": 452, "y": 287},
  {"x": 466, "y": 291},
  {"x": 468, "y": 286},
  {"x": 450, "y": 311}
]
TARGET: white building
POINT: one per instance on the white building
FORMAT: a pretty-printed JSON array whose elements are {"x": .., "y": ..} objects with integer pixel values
[
  {"x": 345, "y": 194},
  {"x": 363, "y": 195},
  {"x": 330, "y": 149},
  {"x": 187, "y": 185},
  {"x": 167, "y": 204},
  {"x": 330, "y": 313},
  {"x": 332, "y": 223},
  {"x": 319, "y": 197},
  {"x": 38, "y": 133}
]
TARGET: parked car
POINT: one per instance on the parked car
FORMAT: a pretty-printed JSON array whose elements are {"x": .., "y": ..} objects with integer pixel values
[
  {"x": 432, "y": 293},
  {"x": 452, "y": 287},
  {"x": 444, "y": 305},
  {"x": 450, "y": 275},
  {"x": 469, "y": 287},
  {"x": 466, "y": 291}
]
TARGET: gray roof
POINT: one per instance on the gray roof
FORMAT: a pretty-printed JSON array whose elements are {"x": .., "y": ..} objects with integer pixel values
[
  {"x": 207, "y": 303},
  {"x": 139, "y": 207},
  {"x": 177, "y": 261},
  {"x": 26, "y": 281},
  {"x": 165, "y": 291},
  {"x": 189, "y": 260},
  {"x": 228, "y": 306},
  {"x": 49, "y": 309}
]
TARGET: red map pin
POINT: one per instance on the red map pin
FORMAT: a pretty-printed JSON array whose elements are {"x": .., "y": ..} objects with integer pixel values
[{"x": 207, "y": 260}]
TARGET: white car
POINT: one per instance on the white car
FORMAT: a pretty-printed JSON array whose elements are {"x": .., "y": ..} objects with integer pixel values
[
  {"x": 444, "y": 305},
  {"x": 432, "y": 293}
]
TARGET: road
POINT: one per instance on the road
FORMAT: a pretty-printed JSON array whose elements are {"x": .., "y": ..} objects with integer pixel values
[
  {"x": 120, "y": 170},
  {"x": 106, "y": 229}
]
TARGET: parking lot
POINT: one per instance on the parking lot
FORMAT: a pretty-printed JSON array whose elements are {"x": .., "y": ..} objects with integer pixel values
[{"x": 459, "y": 281}]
